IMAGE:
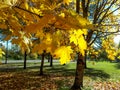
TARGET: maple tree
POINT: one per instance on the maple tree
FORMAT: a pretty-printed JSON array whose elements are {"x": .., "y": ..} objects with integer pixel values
[
  {"x": 51, "y": 27},
  {"x": 24, "y": 21},
  {"x": 43, "y": 23},
  {"x": 106, "y": 47}
]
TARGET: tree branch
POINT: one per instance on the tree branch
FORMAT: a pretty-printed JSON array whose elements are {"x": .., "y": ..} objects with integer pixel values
[
  {"x": 93, "y": 40},
  {"x": 28, "y": 11},
  {"x": 113, "y": 11},
  {"x": 104, "y": 16},
  {"x": 101, "y": 8},
  {"x": 77, "y": 6}
]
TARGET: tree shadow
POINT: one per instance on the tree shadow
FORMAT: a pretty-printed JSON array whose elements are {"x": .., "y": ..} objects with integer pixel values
[
  {"x": 94, "y": 74},
  {"x": 47, "y": 69},
  {"x": 16, "y": 67},
  {"x": 117, "y": 65},
  {"x": 11, "y": 69},
  {"x": 61, "y": 69}
]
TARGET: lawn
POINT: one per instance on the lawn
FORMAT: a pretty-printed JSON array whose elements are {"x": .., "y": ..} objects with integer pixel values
[{"x": 97, "y": 76}]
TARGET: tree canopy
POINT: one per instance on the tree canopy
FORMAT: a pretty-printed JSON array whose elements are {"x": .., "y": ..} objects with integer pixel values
[{"x": 45, "y": 26}]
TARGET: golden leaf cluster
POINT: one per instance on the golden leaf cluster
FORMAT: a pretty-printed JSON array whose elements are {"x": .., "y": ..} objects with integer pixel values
[
  {"x": 42, "y": 25},
  {"x": 107, "y": 45}
]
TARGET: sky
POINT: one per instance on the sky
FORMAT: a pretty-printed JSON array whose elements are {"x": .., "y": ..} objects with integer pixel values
[{"x": 117, "y": 39}]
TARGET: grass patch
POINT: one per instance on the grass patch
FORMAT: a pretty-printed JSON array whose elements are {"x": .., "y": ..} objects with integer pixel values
[{"x": 107, "y": 69}]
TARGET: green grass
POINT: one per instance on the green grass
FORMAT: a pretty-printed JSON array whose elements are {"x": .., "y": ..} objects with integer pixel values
[
  {"x": 58, "y": 77},
  {"x": 107, "y": 68}
]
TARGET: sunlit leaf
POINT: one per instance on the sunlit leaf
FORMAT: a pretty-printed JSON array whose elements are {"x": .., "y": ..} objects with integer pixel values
[{"x": 63, "y": 53}]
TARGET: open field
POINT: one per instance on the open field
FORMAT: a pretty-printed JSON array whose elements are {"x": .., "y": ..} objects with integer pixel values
[{"x": 59, "y": 77}]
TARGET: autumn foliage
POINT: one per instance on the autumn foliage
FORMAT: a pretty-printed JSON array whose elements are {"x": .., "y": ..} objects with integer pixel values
[{"x": 45, "y": 28}]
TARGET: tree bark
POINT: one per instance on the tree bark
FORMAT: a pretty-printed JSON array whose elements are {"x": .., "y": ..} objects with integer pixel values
[
  {"x": 85, "y": 60},
  {"x": 6, "y": 56},
  {"x": 78, "y": 82},
  {"x": 25, "y": 59},
  {"x": 42, "y": 64},
  {"x": 77, "y": 6},
  {"x": 48, "y": 57},
  {"x": 51, "y": 61}
]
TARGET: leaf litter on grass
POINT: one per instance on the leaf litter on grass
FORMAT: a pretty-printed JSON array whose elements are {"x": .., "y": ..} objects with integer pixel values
[
  {"x": 107, "y": 85},
  {"x": 31, "y": 81},
  {"x": 19, "y": 79}
]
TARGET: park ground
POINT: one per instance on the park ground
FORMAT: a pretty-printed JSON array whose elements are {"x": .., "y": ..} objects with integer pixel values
[{"x": 98, "y": 76}]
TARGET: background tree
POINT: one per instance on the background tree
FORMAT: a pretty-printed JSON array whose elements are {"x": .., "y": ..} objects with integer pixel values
[{"x": 100, "y": 13}]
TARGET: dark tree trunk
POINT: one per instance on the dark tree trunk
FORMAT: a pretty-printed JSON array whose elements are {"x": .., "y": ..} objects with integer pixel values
[
  {"x": 48, "y": 57},
  {"x": 42, "y": 64},
  {"x": 51, "y": 61},
  {"x": 85, "y": 59},
  {"x": 6, "y": 56},
  {"x": 78, "y": 82},
  {"x": 25, "y": 59}
]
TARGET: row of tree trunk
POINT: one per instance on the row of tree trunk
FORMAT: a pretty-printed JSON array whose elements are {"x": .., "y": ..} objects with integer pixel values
[
  {"x": 81, "y": 63},
  {"x": 50, "y": 59}
]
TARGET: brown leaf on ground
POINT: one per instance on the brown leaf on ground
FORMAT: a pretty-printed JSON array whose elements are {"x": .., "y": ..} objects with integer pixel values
[
  {"x": 110, "y": 85},
  {"x": 32, "y": 81}
]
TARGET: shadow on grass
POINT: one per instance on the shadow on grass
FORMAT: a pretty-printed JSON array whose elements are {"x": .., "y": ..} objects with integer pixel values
[
  {"x": 64, "y": 70},
  {"x": 16, "y": 67},
  {"x": 94, "y": 74},
  {"x": 61, "y": 69},
  {"x": 56, "y": 76},
  {"x": 117, "y": 65},
  {"x": 47, "y": 69}
]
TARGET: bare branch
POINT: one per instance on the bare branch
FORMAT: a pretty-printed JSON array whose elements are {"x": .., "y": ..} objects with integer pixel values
[
  {"x": 96, "y": 12},
  {"x": 93, "y": 40},
  {"x": 101, "y": 8},
  {"x": 104, "y": 16},
  {"x": 28, "y": 11},
  {"x": 113, "y": 11}
]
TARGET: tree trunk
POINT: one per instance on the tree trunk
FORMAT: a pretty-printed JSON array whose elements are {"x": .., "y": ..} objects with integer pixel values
[
  {"x": 85, "y": 59},
  {"x": 51, "y": 61},
  {"x": 48, "y": 57},
  {"x": 6, "y": 56},
  {"x": 78, "y": 82},
  {"x": 42, "y": 64},
  {"x": 25, "y": 59}
]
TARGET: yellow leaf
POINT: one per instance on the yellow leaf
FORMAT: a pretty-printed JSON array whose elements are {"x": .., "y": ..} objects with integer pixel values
[
  {"x": 1, "y": 52},
  {"x": 3, "y": 26},
  {"x": 82, "y": 45},
  {"x": 26, "y": 5},
  {"x": 111, "y": 57},
  {"x": 48, "y": 39},
  {"x": 67, "y": 1},
  {"x": 62, "y": 15},
  {"x": 64, "y": 53},
  {"x": 85, "y": 31},
  {"x": 76, "y": 37},
  {"x": 118, "y": 57}
]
